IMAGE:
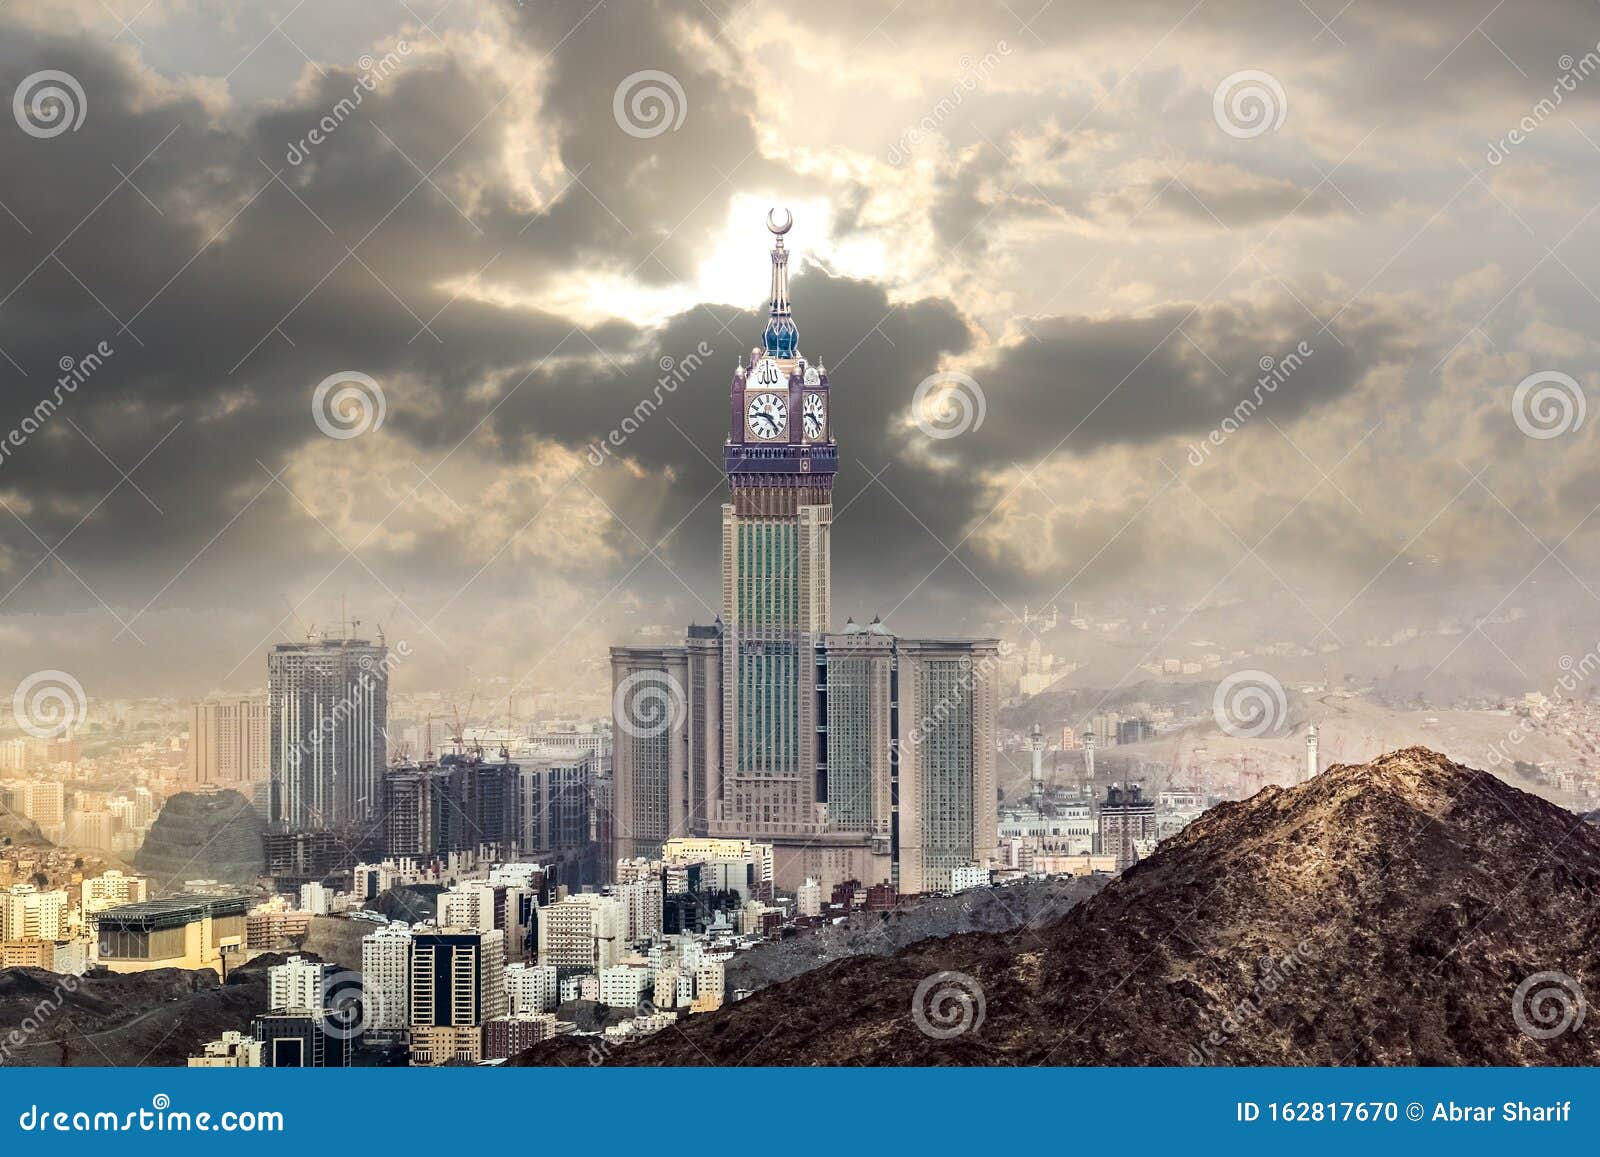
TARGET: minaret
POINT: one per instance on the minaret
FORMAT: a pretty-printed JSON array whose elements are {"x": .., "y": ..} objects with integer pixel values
[
  {"x": 1311, "y": 752},
  {"x": 1088, "y": 762},
  {"x": 1036, "y": 745}
]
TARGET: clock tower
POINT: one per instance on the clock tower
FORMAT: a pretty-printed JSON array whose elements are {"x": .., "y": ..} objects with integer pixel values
[{"x": 780, "y": 459}]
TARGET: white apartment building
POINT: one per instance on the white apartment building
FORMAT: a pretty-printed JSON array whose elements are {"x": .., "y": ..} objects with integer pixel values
[
  {"x": 808, "y": 898},
  {"x": 584, "y": 931},
  {"x": 386, "y": 978},
  {"x": 29, "y": 914},
  {"x": 623, "y": 986},
  {"x": 972, "y": 876},
  {"x": 316, "y": 898},
  {"x": 531, "y": 988},
  {"x": 112, "y": 889},
  {"x": 710, "y": 982},
  {"x": 646, "y": 903},
  {"x": 233, "y": 1051},
  {"x": 298, "y": 983}
]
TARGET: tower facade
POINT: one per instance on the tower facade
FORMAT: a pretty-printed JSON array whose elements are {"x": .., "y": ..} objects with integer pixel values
[
  {"x": 328, "y": 711},
  {"x": 856, "y": 755},
  {"x": 780, "y": 459}
]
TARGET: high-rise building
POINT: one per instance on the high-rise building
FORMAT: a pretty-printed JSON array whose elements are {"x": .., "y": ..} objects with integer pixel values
[
  {"x": 767, "y": 727},
  {"x": 298, "y": 985},
  {"x": 586, "y": 931},
  {"x": 532, "y": 988},
  {"x": 386, "y": 978},
  {"x": 26, "y": 913},
  {"x": 1127, "y": 824},
  {"x": 229, "y": 742},
  {"x": 328, "y": 705},
  {"x": 457, "y": 984},
  {"x": 300, "y": 1040},
  {"x": 112, "y": 888}
]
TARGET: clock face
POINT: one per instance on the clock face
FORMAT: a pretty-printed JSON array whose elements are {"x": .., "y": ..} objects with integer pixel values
[
  {"x": 816, "y": 416},
  {"x": 767, "y": 416},
  {"x": 767, "y": 373}
]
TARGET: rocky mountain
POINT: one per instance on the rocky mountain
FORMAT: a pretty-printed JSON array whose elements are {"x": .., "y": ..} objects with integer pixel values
[
  {"x": 1030, "y": 902},
  {"x": 203, "y": 836},
  {"x": 158, "y": 1017},
  {"x": 1409, "y": 911}
]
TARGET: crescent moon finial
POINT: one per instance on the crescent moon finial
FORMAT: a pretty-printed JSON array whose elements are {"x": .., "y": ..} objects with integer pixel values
[{"x": 777, "y": 227}]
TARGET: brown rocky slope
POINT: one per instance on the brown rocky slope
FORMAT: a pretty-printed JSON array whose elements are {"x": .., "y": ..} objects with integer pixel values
[{"x": 1380, "y": 914}]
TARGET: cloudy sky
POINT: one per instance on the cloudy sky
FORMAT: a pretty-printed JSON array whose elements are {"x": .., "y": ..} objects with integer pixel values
[{"x": 1097, "y": 223}]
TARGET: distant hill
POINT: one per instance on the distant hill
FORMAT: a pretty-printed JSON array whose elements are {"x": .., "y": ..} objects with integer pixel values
[
  {"x": 1407, "y": 911},
  {"x": 15, "y": 831},
  {"x": 203, "y": 836}
]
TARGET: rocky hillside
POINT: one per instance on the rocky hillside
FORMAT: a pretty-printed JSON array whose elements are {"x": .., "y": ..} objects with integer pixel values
[
  {"x": 1409, "y": 911},
  {"x": 148, "y": 1018},
  {"x": 1035, "y": 903},
  {"x": 203, "y": 836}
]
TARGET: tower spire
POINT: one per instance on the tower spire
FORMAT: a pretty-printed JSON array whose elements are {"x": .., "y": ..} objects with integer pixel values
[{"x": 781, "y": 338}]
